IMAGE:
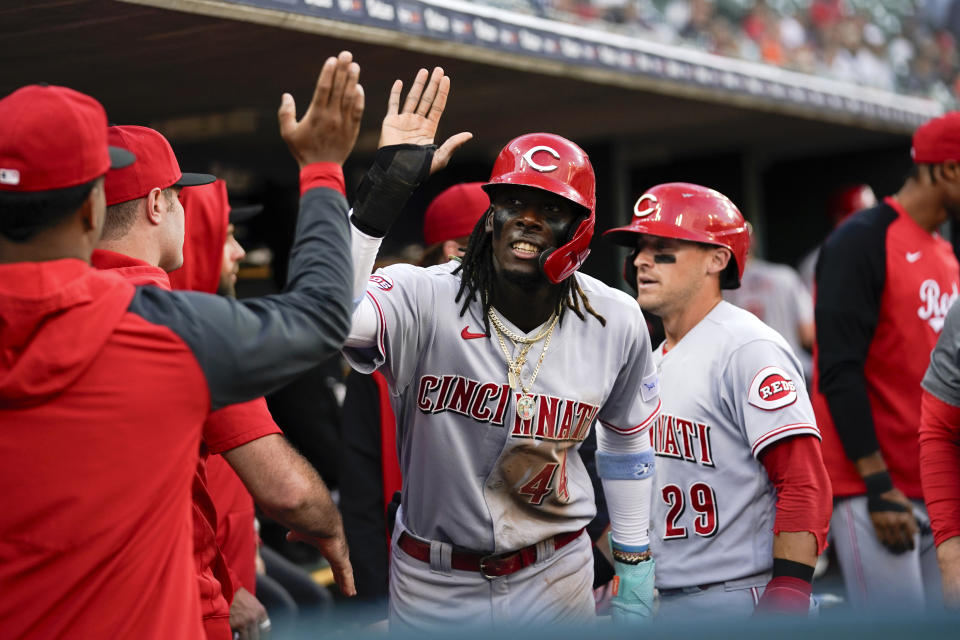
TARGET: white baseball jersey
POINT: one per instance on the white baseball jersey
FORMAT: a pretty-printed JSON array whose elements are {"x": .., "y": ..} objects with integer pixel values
[
  {"x": 730, "y": 387},
  {"x": 474, "y": 473}
]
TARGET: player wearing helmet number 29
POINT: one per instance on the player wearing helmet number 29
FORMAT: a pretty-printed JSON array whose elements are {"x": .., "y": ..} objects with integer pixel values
[
  {"x": 499, "y": 365},
  {"x": 741, "y": 498}
]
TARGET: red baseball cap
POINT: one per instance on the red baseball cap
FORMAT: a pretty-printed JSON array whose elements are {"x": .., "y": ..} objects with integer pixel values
[
  {"x": 156, "y": 166},
  {"x": 53, "y": 138},
  {"x": 454, "y": 213},
  {"x": 937, "y": 140}
]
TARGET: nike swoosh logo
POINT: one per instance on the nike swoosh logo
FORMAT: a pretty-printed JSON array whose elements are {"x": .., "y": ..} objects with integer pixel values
[
  {"x": 913, "y": 257},
  {"x": 466, "y": 335}
]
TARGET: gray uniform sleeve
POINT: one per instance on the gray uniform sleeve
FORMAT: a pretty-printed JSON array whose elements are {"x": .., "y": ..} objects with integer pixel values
[
  {"x": 251, "y": 347},
  {"x": 764, "y": 391},
  {"x": 943, "y": 375},
  {"x": 404, "y": 299}
]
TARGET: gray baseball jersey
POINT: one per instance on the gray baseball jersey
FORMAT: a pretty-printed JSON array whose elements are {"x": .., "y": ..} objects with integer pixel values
[
  {"x": 730, "y": 387},
  {"x": 775, "y": 294},
  {"x": 475, "y": 473},
  {"x": 807, "y": 268}
]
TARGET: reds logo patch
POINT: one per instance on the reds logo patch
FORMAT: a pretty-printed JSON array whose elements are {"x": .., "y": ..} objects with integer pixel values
[
  {"x": 772, "y": 389},
  {"x": 382, "y": 282}
]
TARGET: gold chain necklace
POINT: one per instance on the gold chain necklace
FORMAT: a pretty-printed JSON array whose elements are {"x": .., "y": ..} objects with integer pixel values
[
  {"x": 495, "y": 319},
  {"x": 526, "y": 403}
]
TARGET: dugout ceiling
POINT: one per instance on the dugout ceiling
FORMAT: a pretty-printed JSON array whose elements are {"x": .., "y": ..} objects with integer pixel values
[
  {"x": 213, "y": 78},
  {"x": 209, "y": 74}
]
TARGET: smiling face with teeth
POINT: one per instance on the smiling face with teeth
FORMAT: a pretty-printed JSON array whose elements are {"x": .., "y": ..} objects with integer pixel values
[{"x": 525, "y": 223}]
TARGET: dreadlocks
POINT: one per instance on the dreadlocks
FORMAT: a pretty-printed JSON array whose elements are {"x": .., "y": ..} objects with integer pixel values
[{"x": 478, "y": 279}]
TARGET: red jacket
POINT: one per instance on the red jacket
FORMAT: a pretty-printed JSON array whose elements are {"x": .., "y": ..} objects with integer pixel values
[
  {"x": 215, "y": 582},
  {"x": 884, "y": 285},
  {"x": 104, "y": 389},
  {"x": 207, "y": 213},
  {"x": 96, "y": 402}
]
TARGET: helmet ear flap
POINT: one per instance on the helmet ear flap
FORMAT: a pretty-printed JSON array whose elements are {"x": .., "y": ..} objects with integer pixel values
[{"x": 630, "y": 270}]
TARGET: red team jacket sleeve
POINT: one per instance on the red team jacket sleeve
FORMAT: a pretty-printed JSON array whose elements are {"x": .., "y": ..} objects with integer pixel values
[
  {"x": 940, "y": 465},
  {"x": 804, "y": 495},
  {"x": 238, "y": 424},
  {"x": 322, "y": 174}
]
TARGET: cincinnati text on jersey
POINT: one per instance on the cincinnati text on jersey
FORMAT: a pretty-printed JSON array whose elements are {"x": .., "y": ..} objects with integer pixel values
[
  {"x": 674, "y": 437},
  {"x": 554, "y": 418}
]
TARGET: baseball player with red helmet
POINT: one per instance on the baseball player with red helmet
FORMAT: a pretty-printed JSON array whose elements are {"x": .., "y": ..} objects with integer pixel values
[
  {"x": 498, "y": 367},
  {"x": 741, "y": 498}
]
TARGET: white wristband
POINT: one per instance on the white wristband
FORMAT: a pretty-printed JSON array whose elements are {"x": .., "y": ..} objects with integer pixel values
[{"x": 363, "y": 250}]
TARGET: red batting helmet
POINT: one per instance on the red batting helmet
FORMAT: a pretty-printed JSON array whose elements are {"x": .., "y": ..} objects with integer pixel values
[
  {"x": 688, "y": 212},
  {"x": 848, "y": 200},
  {"x": 552, "y": 163}
]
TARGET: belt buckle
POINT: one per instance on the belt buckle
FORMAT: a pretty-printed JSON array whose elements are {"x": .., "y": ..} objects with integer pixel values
[{"x": 483, "y": 565}]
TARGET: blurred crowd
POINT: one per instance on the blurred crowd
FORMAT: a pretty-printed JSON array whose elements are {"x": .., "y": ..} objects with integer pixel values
[{"x": 907, "y": 46}]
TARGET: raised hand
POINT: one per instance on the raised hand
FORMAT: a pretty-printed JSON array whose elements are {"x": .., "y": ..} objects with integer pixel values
[
  {"x": 329, "y": 128},
  {"x": 417, "y": 122}
]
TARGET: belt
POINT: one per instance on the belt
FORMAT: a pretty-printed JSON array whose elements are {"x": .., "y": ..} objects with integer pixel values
[
  {"x": 745, "y": 582},
  {"x": 491, "y": 566},
  {"x": 697, "y": 588}
]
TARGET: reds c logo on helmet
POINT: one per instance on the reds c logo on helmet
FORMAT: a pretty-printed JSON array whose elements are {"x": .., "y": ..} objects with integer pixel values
[
  {"x": 528, "y": 158},
  {"x": 687, "y": 212},
  {"x": 552, "y": 163}
]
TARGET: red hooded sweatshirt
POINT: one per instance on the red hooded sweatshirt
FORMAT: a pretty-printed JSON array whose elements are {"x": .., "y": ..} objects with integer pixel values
[
  {"x": 207, "y": 218},
  {"x": 69, "y": 345},
  {"x": 104, "y": 389},
  {"x": 224, "y": 429}
]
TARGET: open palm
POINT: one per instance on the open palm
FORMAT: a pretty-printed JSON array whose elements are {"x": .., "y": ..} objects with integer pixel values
[{"x": 417, "y": 122}]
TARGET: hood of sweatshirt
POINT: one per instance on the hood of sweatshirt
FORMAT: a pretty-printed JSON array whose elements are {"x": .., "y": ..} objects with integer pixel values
[
  {"x": 206, "y": 214},
  {"x": 133, "y": 270},
  {"x": 55, "y": 318}
]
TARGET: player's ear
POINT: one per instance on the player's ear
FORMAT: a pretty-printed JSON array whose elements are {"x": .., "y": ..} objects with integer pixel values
[
  {"x": 950, "y": 171},
  {"x": 92, "y": 212},
  {"x": 155, "y": 206},
  {"x": 719, "y": 259},
  {"x": 488, "y": 225}
]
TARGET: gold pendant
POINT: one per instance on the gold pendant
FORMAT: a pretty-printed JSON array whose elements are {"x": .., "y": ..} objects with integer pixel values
[
  {"x": 512, "y": 379},
  {"x": 526, "y": 407}
]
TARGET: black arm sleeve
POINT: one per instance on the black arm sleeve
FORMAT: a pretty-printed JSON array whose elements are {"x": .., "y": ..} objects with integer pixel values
[
  {"x": 850, "y": 277},
  {"x": 361, "y": 488},
  {"x": 251, "y": 347}
]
